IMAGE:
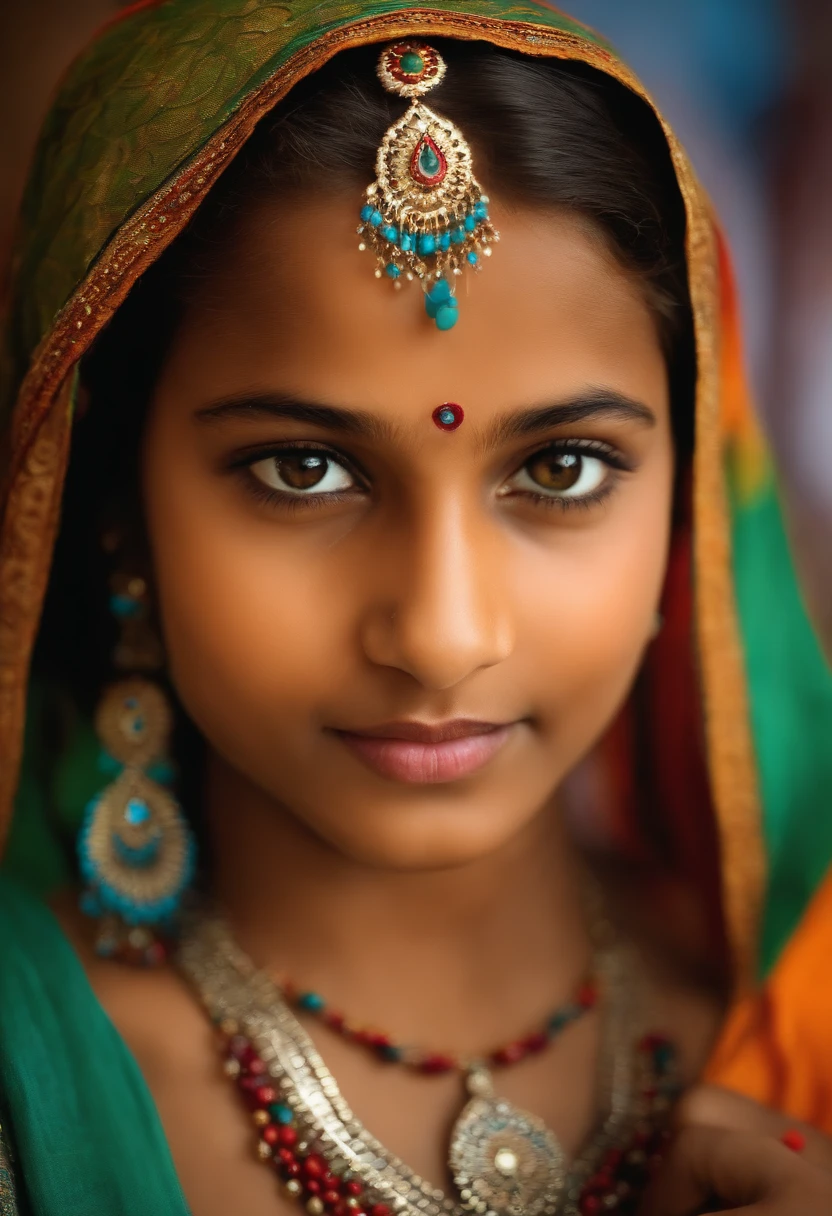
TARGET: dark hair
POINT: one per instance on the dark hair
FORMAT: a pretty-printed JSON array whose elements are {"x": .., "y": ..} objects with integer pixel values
[{"x": 546, "y": 133}]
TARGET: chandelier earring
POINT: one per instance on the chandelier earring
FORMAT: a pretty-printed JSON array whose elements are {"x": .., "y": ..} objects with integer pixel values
[{"x": 135, "y": 849}]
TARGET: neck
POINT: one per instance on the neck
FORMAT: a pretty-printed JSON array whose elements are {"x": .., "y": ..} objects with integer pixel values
[{"x": 485, "y": 948}]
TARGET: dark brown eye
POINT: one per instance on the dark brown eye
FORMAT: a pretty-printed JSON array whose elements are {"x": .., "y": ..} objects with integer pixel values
[
  {"x": 297, "y": 472},
  {"x": 555, "y": 470},
  {"x": 555, "y": 473}
]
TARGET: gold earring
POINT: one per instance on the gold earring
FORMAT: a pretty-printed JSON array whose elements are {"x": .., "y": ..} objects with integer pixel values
[{"x": 135, "y": 848}]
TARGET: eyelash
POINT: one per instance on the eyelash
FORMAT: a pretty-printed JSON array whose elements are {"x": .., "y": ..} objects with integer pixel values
[{"x": 294, "y": 503}]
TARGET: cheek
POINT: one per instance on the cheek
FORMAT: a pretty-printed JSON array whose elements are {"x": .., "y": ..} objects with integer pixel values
[
  {"x": 592, "y": 607},
  {"x": 252, "y": 628}
]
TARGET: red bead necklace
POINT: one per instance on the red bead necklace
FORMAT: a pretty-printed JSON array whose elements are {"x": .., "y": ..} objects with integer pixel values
[
  {"x": 307, "y": 1177},
  {"x": 432, "y": 1063}
]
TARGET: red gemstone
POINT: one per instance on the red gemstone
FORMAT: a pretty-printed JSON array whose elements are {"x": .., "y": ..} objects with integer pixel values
[
  {"x": 287, "y": 1136},
  {"x": 313, "y": 1186},
  {"x": 314, "y": 1166},
  {"x": 536, "y": 1042},
  {"x": 380, "y": 1209},
  {"x": 352, "y": 1187},
  {"x": 271, "y": 1134},
  {"x": 285, "y": 1155},
  {"x": 512, "y": 1053},
  {"x": 437, "y": 1063},
  {"x": 291, "y": 1169},
  {"x": 331, "y": 1181},
  {"x": 331, "y": 1198},
  {"x": 266, "y": 1095}
]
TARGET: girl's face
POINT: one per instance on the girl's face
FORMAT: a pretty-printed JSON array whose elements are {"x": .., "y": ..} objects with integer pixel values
[{"x": 340, "y": 582}]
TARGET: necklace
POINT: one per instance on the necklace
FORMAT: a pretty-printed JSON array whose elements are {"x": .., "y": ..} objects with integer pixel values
[
  {"x": 504, "y": 1161},
  {"x": 433, "y": 1063}
]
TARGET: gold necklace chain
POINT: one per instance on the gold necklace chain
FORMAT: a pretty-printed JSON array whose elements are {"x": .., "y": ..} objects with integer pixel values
[{"x": 505, "y": 1162}]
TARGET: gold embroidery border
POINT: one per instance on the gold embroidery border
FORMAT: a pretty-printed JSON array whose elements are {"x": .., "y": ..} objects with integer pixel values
[{"x": 41, "y": 424}]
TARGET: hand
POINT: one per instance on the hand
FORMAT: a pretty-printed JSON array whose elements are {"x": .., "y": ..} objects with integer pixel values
[
  {"x": 712, "y": 1107},
  {"x": 712, "y": 1170}
]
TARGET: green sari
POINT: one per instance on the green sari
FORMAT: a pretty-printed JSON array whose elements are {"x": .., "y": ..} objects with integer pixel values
[{"x": 143, "y": 125}]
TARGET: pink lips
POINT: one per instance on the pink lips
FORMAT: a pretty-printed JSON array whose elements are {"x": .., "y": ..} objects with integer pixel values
[{"x": 419, "y": 753}]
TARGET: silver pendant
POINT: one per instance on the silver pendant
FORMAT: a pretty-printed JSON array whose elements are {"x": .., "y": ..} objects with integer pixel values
[{"x": 504, "y": 1161}]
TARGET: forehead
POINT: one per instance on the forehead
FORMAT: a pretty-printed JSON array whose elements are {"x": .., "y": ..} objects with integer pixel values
[{"x": 294, "y": 305}]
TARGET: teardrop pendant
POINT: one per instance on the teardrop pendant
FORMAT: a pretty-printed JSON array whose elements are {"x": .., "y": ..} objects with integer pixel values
[
  {"x": 428, "y": 165},
  {"x": 503, "y": 1159}
]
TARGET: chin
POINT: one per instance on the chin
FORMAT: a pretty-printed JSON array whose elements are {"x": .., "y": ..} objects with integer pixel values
[{"x": 421, "y": 840}]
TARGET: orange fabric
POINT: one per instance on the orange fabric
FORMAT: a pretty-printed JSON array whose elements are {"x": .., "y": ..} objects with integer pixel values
[{"x": 777, "y": 1044}]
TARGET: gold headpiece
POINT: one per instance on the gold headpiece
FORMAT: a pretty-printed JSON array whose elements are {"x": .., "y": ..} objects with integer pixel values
[{"x": 426, "y": 216}]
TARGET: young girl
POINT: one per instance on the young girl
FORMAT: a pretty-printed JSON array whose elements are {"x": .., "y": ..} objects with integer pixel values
[{"x": 388, "y": 691}]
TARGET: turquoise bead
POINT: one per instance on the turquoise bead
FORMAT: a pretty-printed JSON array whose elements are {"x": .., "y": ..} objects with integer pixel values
[
  {"x": 391, "y": 1053},
  {"x": 392, "y": 270},
  {"x": 440, "y": 292},
  {"x": 412, "y": 63},
  {"x": 136, "y": 812},
  {"x": 446, "y": 417},
  {"x": 562, "y": 1019},
  {"x": 311, "y": 1001},
  {"x": 366, "y": 212},
  {"x": 376, "y": 219},
  {"x": 390, "y": 233},
  {"x": 473, "y": 257},
  {"x": 281, "y": 1113},
  {"x": 162, "y": 772},
  {"x": 470, "y": 223},
  {"x": 447, "y": 315},
  {"x": 125, "y": 607},
  {"x": 406, "y": 242},
  {"x": 458, "y": 235},
  {"x": 481, "y": 211},
  {"x": 445, "y": 241},
  {"x": 426, "y": 244}
]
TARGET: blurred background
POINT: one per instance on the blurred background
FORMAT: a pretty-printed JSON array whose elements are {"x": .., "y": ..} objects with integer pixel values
[{"x": 747, "y": 85}]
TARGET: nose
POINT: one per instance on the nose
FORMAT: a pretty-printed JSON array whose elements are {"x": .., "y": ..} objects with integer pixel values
[{"x": 447, "y": 615}]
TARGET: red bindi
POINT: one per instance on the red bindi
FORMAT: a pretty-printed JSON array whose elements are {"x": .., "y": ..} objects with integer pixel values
[{"x": 448, "y": 416}]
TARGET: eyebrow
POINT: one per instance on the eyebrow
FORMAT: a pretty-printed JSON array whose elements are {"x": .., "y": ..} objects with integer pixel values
[
  {"x": 287, "y": 408},
  {"x": 516, "y": 424},
  {"x": 593, "y": 403}
]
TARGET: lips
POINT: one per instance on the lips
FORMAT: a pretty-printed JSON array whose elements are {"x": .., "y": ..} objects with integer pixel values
[{"x": 427, "y": 753}]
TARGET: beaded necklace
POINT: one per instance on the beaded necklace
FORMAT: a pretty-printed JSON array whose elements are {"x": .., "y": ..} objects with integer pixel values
[
  {"x": 432, "y": 1063},
  {"x": 504, "y": 1161}
]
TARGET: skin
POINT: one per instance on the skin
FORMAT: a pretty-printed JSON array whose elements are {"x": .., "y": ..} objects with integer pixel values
[{"x": 436, "y": 587}]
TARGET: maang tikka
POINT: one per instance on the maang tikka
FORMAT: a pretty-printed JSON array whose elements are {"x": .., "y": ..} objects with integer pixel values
[
  {"x": 426, "y": 216},
  {"x": 136, "y": 851}
]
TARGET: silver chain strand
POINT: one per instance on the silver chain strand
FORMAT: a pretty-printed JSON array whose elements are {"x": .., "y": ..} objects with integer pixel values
[{"x": 230, "y": 987}]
